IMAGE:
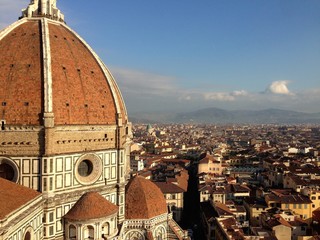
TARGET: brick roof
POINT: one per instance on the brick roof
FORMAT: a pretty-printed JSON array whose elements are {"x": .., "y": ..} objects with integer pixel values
[
  {"x": 222, "y": 209},
  {"x": 81, "y": 91},
  {"x": 144, "y": 200},
  {"x": 208, "y": 158},
  {"x": 13, "y": 196},
  {"x": 91, "y": 206},
  {"x": 169, "y": 187},
  {"x": 21, "y": 83},
  {"x": 284, "y": 196}
]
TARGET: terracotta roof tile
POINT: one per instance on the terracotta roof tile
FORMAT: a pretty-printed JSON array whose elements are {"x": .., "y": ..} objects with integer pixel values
[
  {"x": 13, "y": 196},
  {"x": 144, "y": 200},
  {"x": 169, "y": 187},
  {"x": 91, "y": 206},
  {"x": 222, "y": 209},
  {"x": 20, "y": 75},
  {"x": 81, "y": 91}
]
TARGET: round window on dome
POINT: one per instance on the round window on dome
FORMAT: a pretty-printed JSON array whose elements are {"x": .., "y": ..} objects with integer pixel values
[
  {"x": 8, "y": 170},
  {"x": 88, "y": 169},
  {"x": 85, "y": 168}
]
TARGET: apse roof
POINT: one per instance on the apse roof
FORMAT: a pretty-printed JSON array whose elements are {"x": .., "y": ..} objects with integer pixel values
[
  {"x": 91, "y": 206},
  {"x": 144, "y": 200}
]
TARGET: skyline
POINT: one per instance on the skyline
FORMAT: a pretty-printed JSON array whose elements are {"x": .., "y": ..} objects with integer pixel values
[{"x": 183, "y": 56}]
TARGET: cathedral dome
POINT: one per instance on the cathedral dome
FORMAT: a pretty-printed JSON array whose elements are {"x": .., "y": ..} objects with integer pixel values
[
  {"x": 48, "y": 72},
  {"x": 144, "y": 200},
  {"x": 91, "y": 206}
]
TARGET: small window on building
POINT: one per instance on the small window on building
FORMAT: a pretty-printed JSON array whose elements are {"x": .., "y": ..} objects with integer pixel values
[
  {"x": 3, "y": 124},
  {"x": 51, "y": 230},
  {"x": 51, "y": 217},
  {"x": 51, "y": 184},
  {"x": 45, "y": 166},
  {"x": 44, "y": 184}
]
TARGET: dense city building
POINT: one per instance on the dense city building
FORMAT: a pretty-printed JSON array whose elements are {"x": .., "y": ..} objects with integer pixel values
[{"x": 252, "y": 181}]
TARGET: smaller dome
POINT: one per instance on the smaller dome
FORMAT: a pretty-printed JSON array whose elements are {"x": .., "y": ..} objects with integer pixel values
[
  {"x": 144, "y": 200},
  {"x": 91, "y": 206}
]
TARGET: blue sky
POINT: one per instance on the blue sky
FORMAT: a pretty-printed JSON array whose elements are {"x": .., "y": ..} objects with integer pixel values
[{"x": 182, "y": 55}]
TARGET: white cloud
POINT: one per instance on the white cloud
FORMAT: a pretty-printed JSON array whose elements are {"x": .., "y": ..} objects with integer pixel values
[
  {"x": 279, "y": 87},
  {"x": 186, "y": 98},
  {"x": 224, "y": 96},
  {"x": 219, "y": 96},
  {"x": 240, "y": 93}
]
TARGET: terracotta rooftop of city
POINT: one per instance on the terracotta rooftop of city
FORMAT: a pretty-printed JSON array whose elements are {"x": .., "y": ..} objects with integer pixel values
[
  {"x": 144, "y": 200},
  {"x": 13, "y": 196},
  {"x": 168, "y": 187},
  {"x": 91, "y": 206}
]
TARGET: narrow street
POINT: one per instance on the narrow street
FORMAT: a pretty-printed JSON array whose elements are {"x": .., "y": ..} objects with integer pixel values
[{"x": 191, "y": 214}]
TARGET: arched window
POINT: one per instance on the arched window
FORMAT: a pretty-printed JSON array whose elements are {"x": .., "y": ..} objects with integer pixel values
[
  {"x": 8, "y": 170},
  {"x": 27, "y": 236},
  {"x": 106, "y": 229},
  {"x": 134, "y": 235},
  {"x": 72, "y": 232},
  {"x": 89, "y": 232},
  {"x": 160, "y": 233}
]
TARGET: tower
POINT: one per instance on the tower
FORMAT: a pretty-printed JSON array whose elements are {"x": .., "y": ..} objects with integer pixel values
[{"x": 64, "y": 125}]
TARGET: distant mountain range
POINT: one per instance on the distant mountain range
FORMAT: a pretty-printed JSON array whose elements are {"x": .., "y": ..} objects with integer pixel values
[{"x": 220, "y": 116}]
